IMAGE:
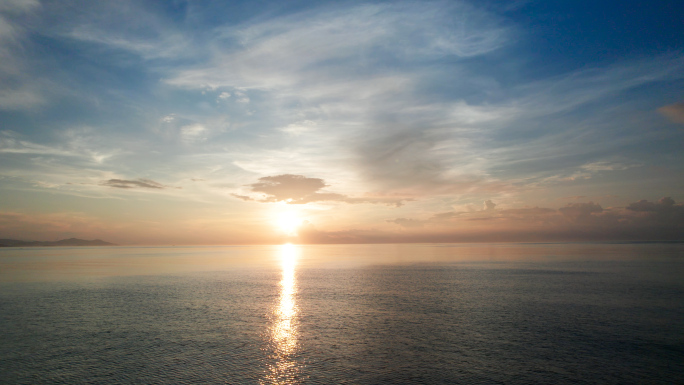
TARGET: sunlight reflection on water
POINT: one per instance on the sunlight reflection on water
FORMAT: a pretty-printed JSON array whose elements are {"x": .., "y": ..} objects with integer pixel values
[{"x": 283, "y": 333}]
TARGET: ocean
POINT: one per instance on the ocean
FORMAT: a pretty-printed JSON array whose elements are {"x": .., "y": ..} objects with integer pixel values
[{"x": 564, "y": 313}]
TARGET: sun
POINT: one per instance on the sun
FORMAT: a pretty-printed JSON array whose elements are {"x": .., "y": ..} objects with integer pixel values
[{"x": 289, "y": 222}]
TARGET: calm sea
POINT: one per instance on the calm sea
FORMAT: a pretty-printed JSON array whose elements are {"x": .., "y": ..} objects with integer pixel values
[{"x": 356, "y": 314}]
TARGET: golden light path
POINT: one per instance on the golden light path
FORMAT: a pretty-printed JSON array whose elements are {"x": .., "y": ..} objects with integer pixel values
[{"x": 283, "y": 333}]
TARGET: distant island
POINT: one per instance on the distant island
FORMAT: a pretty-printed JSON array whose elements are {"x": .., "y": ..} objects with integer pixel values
[{"x": 63, "y": 242}]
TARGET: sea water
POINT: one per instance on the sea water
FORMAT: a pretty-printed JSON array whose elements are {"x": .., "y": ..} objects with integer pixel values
[{"x": 344, "y": 314}]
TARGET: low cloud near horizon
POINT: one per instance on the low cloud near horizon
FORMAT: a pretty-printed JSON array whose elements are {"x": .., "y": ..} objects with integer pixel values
[{"x": 642, "y": 220}]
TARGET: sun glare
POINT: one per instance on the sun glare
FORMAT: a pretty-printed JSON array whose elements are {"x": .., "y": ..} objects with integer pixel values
[{"x": 289, "y": 222}]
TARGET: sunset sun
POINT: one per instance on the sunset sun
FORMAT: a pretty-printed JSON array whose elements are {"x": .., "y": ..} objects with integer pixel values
[{"x": 288, "y": 223}]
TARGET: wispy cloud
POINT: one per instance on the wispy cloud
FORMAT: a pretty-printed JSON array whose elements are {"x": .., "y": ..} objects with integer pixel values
[
  {"x": 18, "y": 6},
  {"x": 11, "y": 143},
  {"x": 138, "y": 183},
  {"x": 125, "y": 26},
  {"x": 306, "y": 50},
  {"x": 76, "y": 143},
  {"x": 19, "y": 90}
]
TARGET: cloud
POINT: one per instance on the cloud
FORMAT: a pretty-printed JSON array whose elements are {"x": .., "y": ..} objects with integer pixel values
[
  {"x": 604, "y": 166},
  {"x": 18, "y": 5},
  {"x": 241, "y": 97},
  {"x": 243, "y": 197},
  {"x": 445, "y": 216},
  {"x": 644, "y": 205},
  {"x": 10, "y": 142},
  {"x": 401, "y": 159},
  {"x": 407, "y": 222},
  {"x": 674, "y": 112},
  {"x": 288, "y": 187},
  {"x": 300, "y": 127},
  {"x": 193, "y": 133},
  {"x": 436, "y": 219},
  {"x": 642, "y": 220},
  {"x": 139, "y": 183},
  {"x": 584, "y": 111},
  {"x": 526, "y": 212},
  {"x": 661, "y": 217},
  {"x": 664, "y": 205},
  {"x": 76, "y": 143},
  {"x": 190, "y": 131},
  {"x": 19, "y": 90},
  {"x": 487, "y": 213},
  {"x": 300, "y": 49},
  {"x": 578, "y": 211},
  {"x": 298, "y": 189},
  {"x": 123, "y": 26},
  {"x": 574, "y": 197}
]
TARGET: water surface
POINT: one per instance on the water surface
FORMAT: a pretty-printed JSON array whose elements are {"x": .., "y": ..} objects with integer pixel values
[{"x": 358, "y": 314}]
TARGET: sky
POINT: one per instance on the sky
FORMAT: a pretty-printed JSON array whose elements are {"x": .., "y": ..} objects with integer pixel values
[{"x": 214, "y": 122}]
